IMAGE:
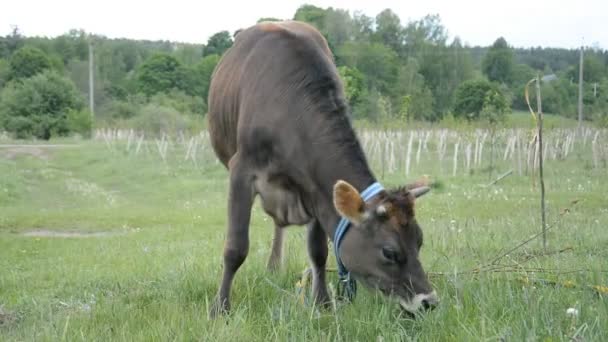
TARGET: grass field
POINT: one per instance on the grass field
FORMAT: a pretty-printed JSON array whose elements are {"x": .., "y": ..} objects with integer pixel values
[{"x": 141, "y": 255}]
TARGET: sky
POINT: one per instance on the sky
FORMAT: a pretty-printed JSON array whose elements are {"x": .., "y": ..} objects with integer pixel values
[{"x": 545, "y": 23}]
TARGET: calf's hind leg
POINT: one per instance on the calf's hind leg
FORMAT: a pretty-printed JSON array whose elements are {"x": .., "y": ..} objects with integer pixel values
[{"x": 236, "y": 247}]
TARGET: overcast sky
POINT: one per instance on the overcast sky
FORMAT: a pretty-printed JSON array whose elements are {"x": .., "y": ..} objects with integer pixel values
[{"x": 523, "y": 23}]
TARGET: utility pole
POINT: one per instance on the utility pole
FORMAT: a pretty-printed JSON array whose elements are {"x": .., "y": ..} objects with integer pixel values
[
  {"x": 580, "y": 91},
  {"x": 91, "y": 83}
]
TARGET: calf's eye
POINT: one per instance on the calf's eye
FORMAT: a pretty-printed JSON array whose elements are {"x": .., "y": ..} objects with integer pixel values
[{"x": 390, "y": 254}]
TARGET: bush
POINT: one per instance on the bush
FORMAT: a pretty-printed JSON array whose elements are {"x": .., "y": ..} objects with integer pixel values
[
  {"x": 181, "y": 102},
  {"x": 471, "y": 97},
  {"x": 161, "y": 73},
  {"x": 157, "y": 119},
  {"x": 38, "y": 106},
  {"x": 80, "y": 121},
  {"x": 27, "y": 62},
  {"x": 22, "y": 127},
  {"x": 121, "y": 109}
]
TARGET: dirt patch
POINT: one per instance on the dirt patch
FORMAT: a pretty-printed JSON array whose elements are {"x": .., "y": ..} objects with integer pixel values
[
  {"x": 69, "y": 234},
  {"x": 40, "y": 151},
  {"x": 15, "y": 151},
  {"x": 7, "y": 317}
]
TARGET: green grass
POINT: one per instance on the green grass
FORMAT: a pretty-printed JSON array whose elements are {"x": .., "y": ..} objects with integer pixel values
[{"x": 154, "y": 278}]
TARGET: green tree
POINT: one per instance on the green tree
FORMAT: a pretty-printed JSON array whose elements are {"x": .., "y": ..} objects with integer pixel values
[
  {"x": 311, "y": 14},
  {"x": 353, "y": 84},
  {"x": 599, "y": 108},
  {"x": 161, "y": 73},
  {"x": 27, "y": 62},
  {"x": 4, "y": 72},
  {"x": 494, "y": 107},
  {"x": 522, "y": 73},
  {"x": 443, "y": 66},
  {"x": 218, "y": 44},
  {"x": 362, "y": 27},
  {"x": 187, "y": 54},
  {"x": 419, "y": 34},
  {"x": 497, "y": 64},
  {"x": 11, "y": 43},
  {"x": 39, "y": 106},
  {"x": 377, "y": 62},
  {"x": 389, "y": 31},
  {"x": 471, "y": 97},
  {"x": 421, "y": 105},
  {"x": 73, "y": 45},
  {"x": 202, "y": 75},
  {"x": 338, "y": 27},
  {"x": 411, "y": 86},
  {"x": 593, "y": 69}
]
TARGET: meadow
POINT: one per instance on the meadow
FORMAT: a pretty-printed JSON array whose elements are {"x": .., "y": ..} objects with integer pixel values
[{"x": 120, "y": 238}]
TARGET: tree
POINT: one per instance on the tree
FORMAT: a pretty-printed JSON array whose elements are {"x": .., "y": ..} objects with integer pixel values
[
  {"x": 11, "y": 43},
  {"x": 494, "y": 107},
  {"x": 428, "y": 31},
  {"x": 522, "y": 73},
  {"x": 593, "y": 69},
  {"x": 202, "y": 75},
  {"x": 40, "y": 106},
  {"x": 497, "y": 64},
  {"x": 73, "y": 45},
  {"x": 4, "y": 72},
  {"x": 311, "y": 14},
  {"x": 338, "y": 27},
  {"x": 218, "y": 44},
  {"x": 362, "y": 27},
  {"x": 421, "y": 105},
  {"x": 376, "y": 61},
  {"x": 599, "y": 108},
  {"x": 415, "y": 98},
  {"x": 353, "y": 84},
  {"x": 471, "y": 97},
  {"x": 389, "y": 31},
  {"x": 161, "y": 73},
  {"x": 27, "y": 62},
  {"x": 443, "y": 66}
]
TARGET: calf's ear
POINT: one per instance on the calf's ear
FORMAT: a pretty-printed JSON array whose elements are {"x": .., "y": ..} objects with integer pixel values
[
  {"x": 348, "y": 201},
  {"x": 419, "y": 187}
]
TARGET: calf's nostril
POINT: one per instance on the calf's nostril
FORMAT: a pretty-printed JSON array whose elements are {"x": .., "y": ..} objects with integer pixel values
[{"x": 429, "y": 303}]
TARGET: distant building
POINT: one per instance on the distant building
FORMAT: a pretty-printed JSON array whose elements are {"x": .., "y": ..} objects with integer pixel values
[{"x": 549, "y": 78}]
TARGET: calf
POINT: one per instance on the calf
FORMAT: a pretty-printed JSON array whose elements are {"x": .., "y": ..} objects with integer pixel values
[{"x": 278, "y": 121}]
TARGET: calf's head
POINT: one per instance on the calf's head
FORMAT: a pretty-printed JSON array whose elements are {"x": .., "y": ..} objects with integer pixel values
[{"x": 382, "y": 246}]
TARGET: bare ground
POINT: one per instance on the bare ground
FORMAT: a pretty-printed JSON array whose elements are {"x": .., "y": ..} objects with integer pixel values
[{"x": 68, "y": 234}]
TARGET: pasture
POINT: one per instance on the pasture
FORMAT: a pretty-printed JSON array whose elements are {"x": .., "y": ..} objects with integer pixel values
[{"x": 120, "y": 238}]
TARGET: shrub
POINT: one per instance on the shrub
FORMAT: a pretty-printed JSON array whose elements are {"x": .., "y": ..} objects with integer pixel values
[
  {"x": 471, "y": 97},
  {"x": 27, "y": 62},
  {"x": 161, "y": 73},
  {"x": 38, "y": 106},
  {"x": 80, "y": 121},
  {"x": 156, "y": 119},
  {"x": 181, "y": 102}
]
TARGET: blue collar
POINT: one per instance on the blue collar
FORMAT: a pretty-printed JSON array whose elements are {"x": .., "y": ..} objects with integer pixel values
[{"x": 343, "y": 226}]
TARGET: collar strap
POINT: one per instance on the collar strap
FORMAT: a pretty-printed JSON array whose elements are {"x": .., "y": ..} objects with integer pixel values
[{"x": 341, "y": 230}]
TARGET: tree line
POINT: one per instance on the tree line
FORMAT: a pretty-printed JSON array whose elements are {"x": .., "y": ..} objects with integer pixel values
[{"x": 392, "y": 70}]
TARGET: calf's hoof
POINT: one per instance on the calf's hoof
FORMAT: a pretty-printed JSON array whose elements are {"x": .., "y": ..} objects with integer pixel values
[{"x": 219, "y": 308}]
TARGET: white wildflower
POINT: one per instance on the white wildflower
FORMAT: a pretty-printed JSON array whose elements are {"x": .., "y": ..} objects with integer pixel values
[{"x": 572, "y": 312}]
